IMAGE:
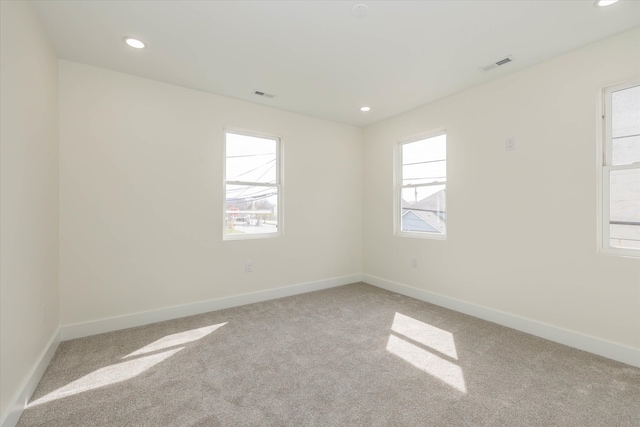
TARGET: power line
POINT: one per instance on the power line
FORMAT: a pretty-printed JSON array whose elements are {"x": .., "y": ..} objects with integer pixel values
[
  {"x": 251, "y": 155},
  {"x": 426, "y": 161},
  {"x": 253, "y": 170}
]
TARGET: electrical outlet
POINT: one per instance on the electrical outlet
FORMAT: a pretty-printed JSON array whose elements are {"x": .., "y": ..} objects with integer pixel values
[
  {"x": 510, "y": 144},
  {"x": 414, "y": 263},
  {"x": 248, "y": 267}
]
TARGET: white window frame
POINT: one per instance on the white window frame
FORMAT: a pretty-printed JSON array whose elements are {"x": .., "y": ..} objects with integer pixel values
[
  {"x": 604, "y": 170},
  {"x": 398, "y": 187},
  {"x": 278, "y": 185}
]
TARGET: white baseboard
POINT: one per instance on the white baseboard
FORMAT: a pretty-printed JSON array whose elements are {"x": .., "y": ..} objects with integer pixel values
[
  {"x": 611, "y": 350},
  {"x": 67, "y": 332},
  {"x": 13, "y": 413},
  {"x": 621, "y": 353},
  {"x": 84, "y": 329}
]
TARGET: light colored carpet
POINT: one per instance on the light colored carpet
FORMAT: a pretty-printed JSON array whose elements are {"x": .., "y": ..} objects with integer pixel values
[{"x": 349, "y": 356}]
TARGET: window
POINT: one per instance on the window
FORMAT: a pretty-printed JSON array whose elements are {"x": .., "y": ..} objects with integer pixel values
[
  {"x": 621, "y": 170},
  {"x": 421, "y": 185},
  {"x": 252, "y": 186}
]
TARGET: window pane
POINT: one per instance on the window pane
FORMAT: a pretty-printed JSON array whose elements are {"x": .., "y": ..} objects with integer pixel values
[
  {"x": 625, "y": 126},
  {"x": 424, "y": 161},
  {"x": 425, "y": 150},
  {"x": 424, "y": 173},
  {"x": 624, "y": 208},
  {"x": 251, "y": 209},
  {"x": 626, "y": 150},
  {"x": 250, "y": 159},
  {"x": 423, "y": 209}
]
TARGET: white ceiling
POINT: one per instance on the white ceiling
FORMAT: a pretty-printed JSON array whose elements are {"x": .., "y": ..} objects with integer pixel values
[{"x": 319, "y": 59}]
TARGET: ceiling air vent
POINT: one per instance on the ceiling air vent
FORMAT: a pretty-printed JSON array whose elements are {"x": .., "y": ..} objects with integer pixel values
[
  {"x": 263, "y": 94},
  {"x": 497, "y": 63}
]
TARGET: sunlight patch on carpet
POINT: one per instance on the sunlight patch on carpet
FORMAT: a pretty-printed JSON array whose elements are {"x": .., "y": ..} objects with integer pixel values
[
  {"x": 173, "y": 340},
  {"x": 407, "y": 333},
  {"x": 425, "y": 334},
  {"x": 107, "y": 376}
]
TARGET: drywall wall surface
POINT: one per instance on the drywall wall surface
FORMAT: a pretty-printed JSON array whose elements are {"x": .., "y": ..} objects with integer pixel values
[
  {"x": 522, "y": 234},
  {"x": 141, "y": 197},
  {"x": 29, "y": 197}
]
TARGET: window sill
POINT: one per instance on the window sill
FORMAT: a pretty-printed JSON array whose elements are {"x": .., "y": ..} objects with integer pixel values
[{"x": 421, "y": 235}]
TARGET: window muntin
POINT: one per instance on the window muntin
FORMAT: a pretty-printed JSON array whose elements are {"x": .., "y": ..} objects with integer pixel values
[
  {"x": 621, "y": 170},
  {"x": 421, "y": 187},
  {"x": 252, "y": 186}
]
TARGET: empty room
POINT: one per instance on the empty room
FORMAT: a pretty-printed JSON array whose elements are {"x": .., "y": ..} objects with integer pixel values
[{"x": 320, "y": 213}]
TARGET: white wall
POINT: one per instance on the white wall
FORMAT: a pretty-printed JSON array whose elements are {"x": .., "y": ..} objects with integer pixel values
[
  {"x": 140, "y": 171},
  {"x": 522, "y": 225},
  {"x": 141, "y": 197},
  {"x": 29, "y": 198}
]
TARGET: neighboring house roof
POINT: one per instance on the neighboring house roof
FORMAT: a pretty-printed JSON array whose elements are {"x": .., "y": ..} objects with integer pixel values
[
  {"x": 433, "y": 203},
  {"x": 419, "y": 221},
  {"x": 425, "y": 215}
]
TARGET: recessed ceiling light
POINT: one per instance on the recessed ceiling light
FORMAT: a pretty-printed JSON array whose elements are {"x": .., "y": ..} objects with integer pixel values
[
  {"x": 603, "y": 3},
  {"x": 135, "y": 43},
  {"x": 360, "y": 10},
  {"x": 365, "y": 109}
]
